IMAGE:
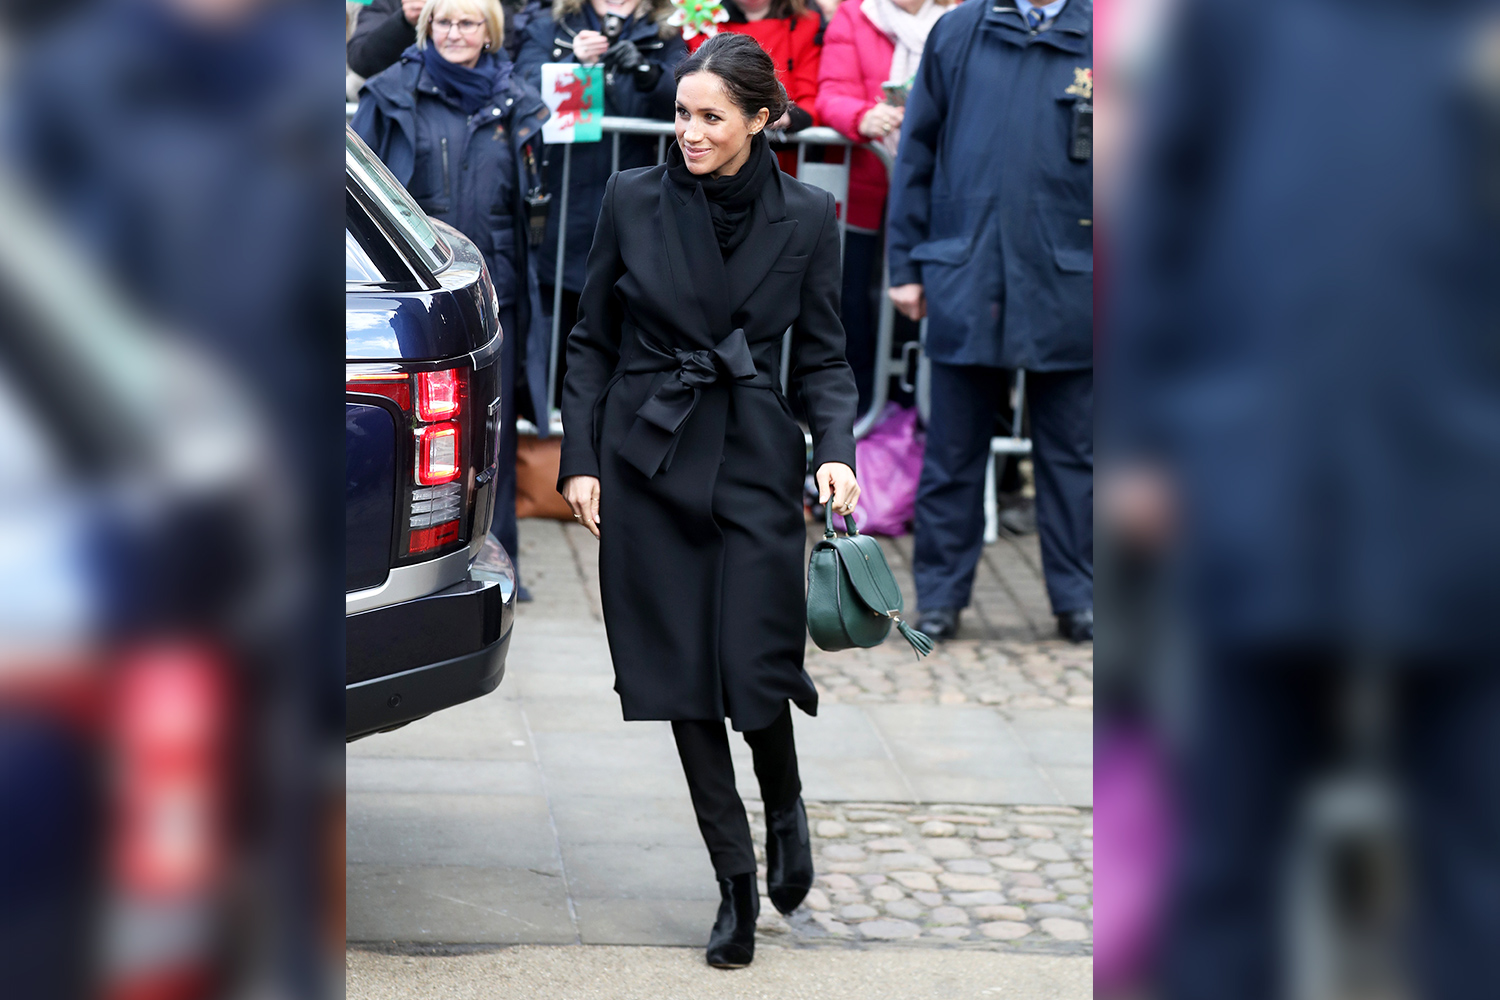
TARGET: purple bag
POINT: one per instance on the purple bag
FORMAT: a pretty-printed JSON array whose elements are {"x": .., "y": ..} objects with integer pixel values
[
  {"x": 1133, "y": 805},
  {"x": 890, "y": 463}
]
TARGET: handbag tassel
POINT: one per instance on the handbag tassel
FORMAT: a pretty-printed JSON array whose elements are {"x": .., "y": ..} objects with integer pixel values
[{"x": 918, "y": 640}]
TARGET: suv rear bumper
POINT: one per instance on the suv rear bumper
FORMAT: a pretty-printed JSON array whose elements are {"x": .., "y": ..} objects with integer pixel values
[{"x": 411, "y": 659}]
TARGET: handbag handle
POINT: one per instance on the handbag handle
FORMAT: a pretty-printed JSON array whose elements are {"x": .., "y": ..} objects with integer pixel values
[{"x": 851, "y": 527}]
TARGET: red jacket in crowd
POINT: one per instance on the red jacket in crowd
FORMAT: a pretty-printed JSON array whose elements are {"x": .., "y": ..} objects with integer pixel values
[
  {"x": 792, "y": 43},
  {"x": 856, "y": 61}
]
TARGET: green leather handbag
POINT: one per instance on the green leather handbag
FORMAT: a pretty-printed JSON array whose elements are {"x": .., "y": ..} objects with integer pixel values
[{"x": 852, "y": 598}]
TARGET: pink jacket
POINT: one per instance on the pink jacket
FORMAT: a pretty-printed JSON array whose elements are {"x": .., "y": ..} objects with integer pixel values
[{"x": 856, "y": 61}]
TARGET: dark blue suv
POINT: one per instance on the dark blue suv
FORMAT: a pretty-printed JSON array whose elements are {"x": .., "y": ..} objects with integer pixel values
[{"x": 430, "y": 596}]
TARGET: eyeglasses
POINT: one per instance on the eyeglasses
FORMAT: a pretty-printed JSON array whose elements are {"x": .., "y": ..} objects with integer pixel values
[{"x": 445, "y": 26}]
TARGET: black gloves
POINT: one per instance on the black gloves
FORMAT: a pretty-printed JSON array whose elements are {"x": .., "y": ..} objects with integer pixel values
[
  {"x": 800, "y": 119},
  {"x": 646, "y": 76},
  {"x": 625, "y": 58}
]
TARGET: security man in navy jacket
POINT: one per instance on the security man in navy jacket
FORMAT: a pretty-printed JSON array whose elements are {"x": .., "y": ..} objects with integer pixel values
[{"x": 991, "y": 225}]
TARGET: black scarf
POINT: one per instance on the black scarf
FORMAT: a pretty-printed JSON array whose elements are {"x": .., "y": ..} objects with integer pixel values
[
  {"x": 473, "y": 88},
  {"x": 730, "y": 199}
]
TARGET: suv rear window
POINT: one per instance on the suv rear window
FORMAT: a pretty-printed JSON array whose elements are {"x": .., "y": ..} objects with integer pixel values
[
  {"x": 395, "y": 204},
  {"x": 371, "y": 256},
  {"x": 357, "y": 264}
]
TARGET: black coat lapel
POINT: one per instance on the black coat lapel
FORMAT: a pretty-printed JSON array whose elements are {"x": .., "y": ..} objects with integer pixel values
[
  {"x": 697, "y": 268},
  {"x": 769, "y": 232}
]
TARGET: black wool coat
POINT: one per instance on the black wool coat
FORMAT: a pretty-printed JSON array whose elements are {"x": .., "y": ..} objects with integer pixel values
[{"x": 672, "y": 398}]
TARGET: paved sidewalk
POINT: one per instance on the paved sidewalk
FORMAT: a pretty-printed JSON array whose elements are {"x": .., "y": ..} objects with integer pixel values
[
  {"x": 614, "y": 973},
  {"x": 536, "y": 816}
]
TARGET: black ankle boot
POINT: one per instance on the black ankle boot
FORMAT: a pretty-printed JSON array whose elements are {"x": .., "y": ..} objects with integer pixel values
[
  {"x": 789, "y": 860},
  {"x": 732, "y": 943}
]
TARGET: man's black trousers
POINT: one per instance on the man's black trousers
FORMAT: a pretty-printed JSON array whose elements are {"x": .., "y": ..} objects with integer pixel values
[
  {"x": 950, "y": 497},
  {"x": 704, "y": 749}
]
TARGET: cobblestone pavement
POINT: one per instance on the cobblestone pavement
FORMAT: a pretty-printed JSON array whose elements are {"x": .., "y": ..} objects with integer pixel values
[
  {"x": 1006, "y": 674},
  {"x": 1019, "y": 877}
]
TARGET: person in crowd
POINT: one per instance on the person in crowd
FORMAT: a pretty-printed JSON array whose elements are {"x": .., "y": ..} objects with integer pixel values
[
  {"x": 991, "y": 238},
  {"x": 682, "y": 458},
  {"x": 352, "y": 80},
  {"x": 1300, "y": 428},
  {"x": 387, "y": 28},
  {"x": 867, "y": 45},
  {"x": 828, "y": 8},
  {"x": 792, "y": 35},
  {"x": 637, "y": 49},
  {"x": 460, "y": 129},
  {"x": 383, "y": 30}
]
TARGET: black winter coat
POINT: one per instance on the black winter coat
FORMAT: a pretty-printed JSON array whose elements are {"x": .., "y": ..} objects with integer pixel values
[
  {"x": 701, "y": 529},
  {"x": 550, "y": 41},
  {"x": 381, "y": 34},
  {"x": 471, "y": 172}
]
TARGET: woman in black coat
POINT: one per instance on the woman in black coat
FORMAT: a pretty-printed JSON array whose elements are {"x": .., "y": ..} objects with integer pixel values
[{"x": 681, "y": 455}]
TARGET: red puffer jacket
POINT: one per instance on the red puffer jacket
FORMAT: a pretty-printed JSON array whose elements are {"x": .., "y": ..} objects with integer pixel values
[
  {"x": 792, "y": 43},
  {"x": 856, "y": 61}
]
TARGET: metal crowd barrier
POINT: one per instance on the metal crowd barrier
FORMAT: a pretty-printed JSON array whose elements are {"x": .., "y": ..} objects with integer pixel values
[{"x": 833, "y": 178}]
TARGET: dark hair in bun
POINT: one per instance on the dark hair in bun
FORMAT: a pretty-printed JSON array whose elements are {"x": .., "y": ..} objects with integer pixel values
[{"x": 747, "y": 72}]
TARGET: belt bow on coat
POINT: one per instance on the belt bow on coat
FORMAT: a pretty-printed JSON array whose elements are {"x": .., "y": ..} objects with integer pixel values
[{"x": 652, "y": 440}]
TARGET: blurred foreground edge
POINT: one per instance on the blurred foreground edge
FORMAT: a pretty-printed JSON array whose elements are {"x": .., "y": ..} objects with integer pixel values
[
  {"x": 1299, "y": 684},
  {"x": 171, "y": 764}
]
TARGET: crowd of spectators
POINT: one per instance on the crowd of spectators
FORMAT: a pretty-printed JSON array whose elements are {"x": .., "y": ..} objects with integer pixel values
[
  {"x": 993, "y": 204},
  {"x": 832, "y": 57}
]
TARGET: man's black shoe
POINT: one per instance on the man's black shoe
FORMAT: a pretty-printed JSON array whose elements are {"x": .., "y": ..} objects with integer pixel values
[
  {"x": 1076, "y": 626},
  {"x": 938, "y": 624}
]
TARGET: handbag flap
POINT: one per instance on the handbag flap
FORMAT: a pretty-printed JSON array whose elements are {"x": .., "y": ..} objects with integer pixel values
[{"x": 868, "y": 572}]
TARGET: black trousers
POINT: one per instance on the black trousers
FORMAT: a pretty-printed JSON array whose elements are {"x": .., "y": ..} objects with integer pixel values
[
  {"x": 704, "y": 749},
  {"x": 949, "y": 533}
]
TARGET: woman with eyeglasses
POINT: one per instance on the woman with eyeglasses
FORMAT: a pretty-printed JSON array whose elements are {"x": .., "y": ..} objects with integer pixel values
[{"x": 462, "y": 131}]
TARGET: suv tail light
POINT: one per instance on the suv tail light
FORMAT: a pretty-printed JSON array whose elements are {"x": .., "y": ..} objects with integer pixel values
[
  {"x": 437, "y": 454},
  {"x": 438, "y": 395},
  {"x": 170, "y": 738},
  {"x": 437, "y": 408}
]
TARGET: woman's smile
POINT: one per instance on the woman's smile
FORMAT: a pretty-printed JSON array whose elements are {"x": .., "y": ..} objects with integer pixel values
[{"x": 713, "y": 134}]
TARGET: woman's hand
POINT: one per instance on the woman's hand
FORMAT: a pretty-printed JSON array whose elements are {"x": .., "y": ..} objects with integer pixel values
[
  {"x": 881, "y": 120},
  {"x": 588, "y": 46},
  {"x": 582, "y": 494},
  {"x": 836, "y": 480}
]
